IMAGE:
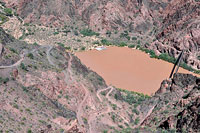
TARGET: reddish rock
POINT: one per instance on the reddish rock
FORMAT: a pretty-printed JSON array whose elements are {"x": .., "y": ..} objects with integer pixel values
[{"x": 15, "y": 73}]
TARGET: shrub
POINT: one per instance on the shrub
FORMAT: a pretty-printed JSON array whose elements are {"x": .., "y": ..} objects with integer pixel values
[
  {"x": 154, "y": 39},
  {"x": 95, "y": 42},
  {"x": 56, "y": 33},
  {"x": 85, "y": 120},
  {"x": 3, "y": 18},
  {"x": 165, "y": 112},
  {"x": 108, "y": 33},
  {"x": 15, "y": 106},
  {"x": 103, "y": 93},
  {"x": 133, "y": 97},
  {"x": 42, "y": 121},
  {"x": 122, "y": 44},
  {"x": 105, "y": 42},
  {"x": 67, "y": 97},
  {"x": 68, "y": 48},
  {"x": 116, "y": 97},
  {"x": 114, "y": 106},
  {"x": 13, "y": 50},
  {"x": 30, "y": 55},
  {"x": 24, "y": 89},
  {"x": 120, "y": 126},
  {"x": 88, "y": 32},
  {"x": 131, "y": 46},
  {"x": 136, "y": 111},
  {"x": 125, "y": 35},
  {"x": 139, "y": 42},
  {"x": 21, "y": 37},
  {"x": 66, "y": 31},
  {"x": 137, "y": 120},
  {"x": 83, "y": 48},
  {"x": 8, "y": 11},
  {"x": 151, "y": 52},
  {"x": 22, "y": 66},
  {"x": 35, "y": 44},
  {"x": 105, "y": 131},
  {"x": 4, "y": 80},
  {"x": 128, "y": 37},
  {"x": 166, "y": 57},
  {"x": 113, "y": 117},
  {"x": 62, "y": 130},
  {"x": 198, "y": 57},
  {"x": 29, "y": 131},
  {"x": 61, "y": 44},
  {"x": 134, "y": 38},
  {"x": 185, "y": 66},
  {"x": 138, "y": 47},
  {"x": 78, "y": 40},
  {"x": 76, "y": 33}
]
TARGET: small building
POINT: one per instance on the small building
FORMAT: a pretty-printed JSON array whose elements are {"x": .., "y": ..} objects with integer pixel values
[{"x": 100, "y": 48}]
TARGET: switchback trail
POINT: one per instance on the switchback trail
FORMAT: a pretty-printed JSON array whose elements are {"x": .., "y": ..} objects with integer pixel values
[
  {"x": 19, "y": 61},
  {"x": 69, "y": 78},
  {"x": 16, "y": 64},
  {"x": 106, "y": 111},
  {"x": 98, "y": 113}
]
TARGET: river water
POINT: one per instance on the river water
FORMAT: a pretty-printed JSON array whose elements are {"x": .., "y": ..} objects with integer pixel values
[{"x": 127, "y": 68}]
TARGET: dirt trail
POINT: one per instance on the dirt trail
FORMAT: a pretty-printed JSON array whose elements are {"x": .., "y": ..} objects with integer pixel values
[
  {"x": 68, "y": 73},
  {"x": 49, "y": 56},
  {"x": 1, "y": 47},
  {"x": 69, "y": 78},
  {"x": 80, "y": 112},
  {"x": 99, "y": 113},
  {"x": 103, "y": 111},
  {"x": 147, "y": 115},
  {"x": 16, "y": 64},
  {"x": 99, "y": 91},
  {"x": 19, "y": 61}
]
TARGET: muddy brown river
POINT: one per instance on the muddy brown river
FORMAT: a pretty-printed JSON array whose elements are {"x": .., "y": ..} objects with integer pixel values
[{"x": 128, "y": 69}]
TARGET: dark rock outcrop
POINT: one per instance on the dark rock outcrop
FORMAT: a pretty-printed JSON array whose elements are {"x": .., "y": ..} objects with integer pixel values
[{"x": 177, "y": 107}]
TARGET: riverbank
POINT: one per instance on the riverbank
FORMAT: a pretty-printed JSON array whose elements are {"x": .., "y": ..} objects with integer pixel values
[
  {"x": 162, "y": 56},
  {"x": 126, "y": 68}
]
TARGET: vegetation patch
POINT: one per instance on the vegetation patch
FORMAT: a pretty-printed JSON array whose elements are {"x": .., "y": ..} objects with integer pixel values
[
  {"x": 125, "y": 35},
  {"x": 106, "y": 42},
  {"x": 88, "y": 32},
  {"x": 132, "y": 97},
  {"x": 131, "y": 46},
  {"x": 3, "y": 18},
  {"x": 8, "y": 12},
  {"x": 23, "y": 67},
  {"x": 121, "y": 44},
  {"x": 3, "y": 80},
  {"x": 198, "y": 57},
  {"x": 166, "y": 57}
]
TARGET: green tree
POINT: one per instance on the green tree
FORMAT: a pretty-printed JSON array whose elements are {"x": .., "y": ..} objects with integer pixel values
[{"x": 8, "y": 11}]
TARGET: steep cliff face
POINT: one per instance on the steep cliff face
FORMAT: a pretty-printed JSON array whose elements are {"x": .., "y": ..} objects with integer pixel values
[
  {"x": 99, "y": 15},
  {"x": 176, "y": 107},
  {"x": 180, "y": 31},
  {"x": 171, "y": 26}
]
